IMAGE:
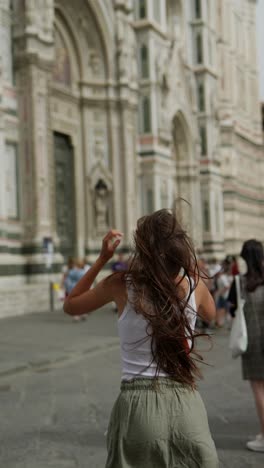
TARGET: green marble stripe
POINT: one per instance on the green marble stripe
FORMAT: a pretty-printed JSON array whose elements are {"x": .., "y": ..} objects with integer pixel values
[
  {"x": 124, "y": 250},
  {"x": 24, "y": 249},
  {"x": 243, "y": 197},
  {"x": 11, "y": 112},
  {"x": 213, "y": 242},
  {"x": 10, "y": 235},
  {"x": 28, "y": 269},
  {"x": 152, "y": 153}
]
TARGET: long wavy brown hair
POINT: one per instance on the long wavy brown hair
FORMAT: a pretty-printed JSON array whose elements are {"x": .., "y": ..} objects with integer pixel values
[{"x": 163, "y": 257}]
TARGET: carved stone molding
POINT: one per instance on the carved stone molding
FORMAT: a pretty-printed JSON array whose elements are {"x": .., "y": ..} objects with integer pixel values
[{"x": 99, "y": 171}]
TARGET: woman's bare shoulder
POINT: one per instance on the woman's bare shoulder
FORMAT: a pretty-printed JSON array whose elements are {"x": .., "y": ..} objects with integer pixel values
[
  {"x": 119, "y": 289},
  {"x": 117, "y": 282}
]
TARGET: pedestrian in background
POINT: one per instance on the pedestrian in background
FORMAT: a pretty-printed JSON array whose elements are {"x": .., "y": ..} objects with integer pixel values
[
  {"x": 75, "y": 272},
  {"x": 203, "y": 268},
  {"x": 234, "y": 266},
  {"x": 120, "y": 264},
  {"x": 65, "y": 269},
  {"x": 159, "y": 419},
  {"x": 86, "y": 265},
  {"x": 214, "y": 269},
  {"x": 252, "y": 287},
  {"x": 223, "y": 284}
]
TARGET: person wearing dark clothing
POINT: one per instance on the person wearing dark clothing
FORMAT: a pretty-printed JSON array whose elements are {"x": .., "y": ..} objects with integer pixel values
[
  {"x": 120, "y": 264},
  {"x": 234, "y": 267},
  {"x": 252, "y": 290}
]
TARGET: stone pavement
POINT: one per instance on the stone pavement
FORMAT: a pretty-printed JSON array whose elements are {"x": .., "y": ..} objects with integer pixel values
[{"x": 59, "y": 379}]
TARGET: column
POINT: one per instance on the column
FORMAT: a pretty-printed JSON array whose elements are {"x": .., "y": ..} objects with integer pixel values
[
  {"x": 34, "y": 49},
  {"x": 127, "y": 88}
]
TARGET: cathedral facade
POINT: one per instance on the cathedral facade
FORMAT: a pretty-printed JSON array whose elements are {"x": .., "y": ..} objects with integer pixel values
[{"x": 111, "y": 109}]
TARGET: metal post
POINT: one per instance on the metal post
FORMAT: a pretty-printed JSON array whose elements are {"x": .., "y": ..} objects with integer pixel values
[{"x": 51, "y": 291}]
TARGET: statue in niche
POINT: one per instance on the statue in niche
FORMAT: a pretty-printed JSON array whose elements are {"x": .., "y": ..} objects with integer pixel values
[
  {"x": 179, "y": 142},
  {"x": 101, "y": 207},
  {"x": 164, "y": 114}
]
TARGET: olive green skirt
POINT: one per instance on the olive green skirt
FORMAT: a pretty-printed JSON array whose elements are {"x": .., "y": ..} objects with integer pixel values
[{"x": 159, "y": 425}]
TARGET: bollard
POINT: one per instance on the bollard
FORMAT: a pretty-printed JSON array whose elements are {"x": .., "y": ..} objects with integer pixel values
[{"x": 51, "y": 288}]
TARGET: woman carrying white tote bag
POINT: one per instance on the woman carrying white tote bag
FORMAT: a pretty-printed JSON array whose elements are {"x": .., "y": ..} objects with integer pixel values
[
  {"x": 238, "y": 337},
  {"x": 247, "y": 334}
]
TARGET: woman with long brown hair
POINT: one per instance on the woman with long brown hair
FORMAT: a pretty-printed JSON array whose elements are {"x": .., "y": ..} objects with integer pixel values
[{"x": 158, "y": 420}]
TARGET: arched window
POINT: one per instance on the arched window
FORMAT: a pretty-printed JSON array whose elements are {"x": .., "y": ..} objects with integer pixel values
[
  {"x": 144, "y": 62},
  {"x": 156, "y": 10},
  {"x": 199, "y": 49},
  {"x": 206, "y": 216},
  {"x": 174, "y": 18},
  {"x": 197, "y": 9},
  {"x": 201, "y": 97},
  {"x": 142, "y": 10},
  {"x": 145, "y": 113},
  {"x": 203, "y": 137}
]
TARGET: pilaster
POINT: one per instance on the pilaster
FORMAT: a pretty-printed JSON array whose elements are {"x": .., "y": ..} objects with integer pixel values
[
  {"x": 33, "y": 54},
  {"x": 127, "y": 103}
]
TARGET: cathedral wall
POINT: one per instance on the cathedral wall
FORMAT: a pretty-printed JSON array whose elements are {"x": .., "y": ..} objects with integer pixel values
[{"x": 149, "y": 110}]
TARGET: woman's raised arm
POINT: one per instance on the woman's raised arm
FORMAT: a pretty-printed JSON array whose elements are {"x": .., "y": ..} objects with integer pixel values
[{"x": 82, "y": 299}]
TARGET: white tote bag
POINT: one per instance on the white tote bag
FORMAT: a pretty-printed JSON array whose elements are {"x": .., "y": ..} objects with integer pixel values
[{"x": 238, "y": 337}]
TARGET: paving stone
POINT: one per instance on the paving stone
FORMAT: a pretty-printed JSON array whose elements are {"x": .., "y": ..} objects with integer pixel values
[{"x": 54, "y": 413}]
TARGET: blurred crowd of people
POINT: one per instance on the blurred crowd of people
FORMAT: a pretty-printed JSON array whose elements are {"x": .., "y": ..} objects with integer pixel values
[
  {"x": 72, "y": 272},
  {"x": 219, "y": 277},
  {"x": 75, "y": 269}
]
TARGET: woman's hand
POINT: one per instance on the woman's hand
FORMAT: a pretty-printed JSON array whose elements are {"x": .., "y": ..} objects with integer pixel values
[{"x": 110, "y": 243}]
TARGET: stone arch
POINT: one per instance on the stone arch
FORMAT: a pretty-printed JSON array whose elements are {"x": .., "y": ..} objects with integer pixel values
[
  {"x": 81, "y": 110},
  {"x": 186, "y": 178},
  {"x": 181, "y": 137},
  {"x": 66, "y": 54},
  {"x": 83, "y": 28},
  {"x": 62, "y": 66},
  {"x": 105, "y": 25}
]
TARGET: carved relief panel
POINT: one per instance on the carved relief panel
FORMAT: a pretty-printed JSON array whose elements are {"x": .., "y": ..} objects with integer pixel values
[
  {"x": 93, "y": 66},
  {"x": 62, "y": 68}
]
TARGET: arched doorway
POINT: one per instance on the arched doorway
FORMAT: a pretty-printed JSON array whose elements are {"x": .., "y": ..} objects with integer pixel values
[
  {"x": 87, "y": 108},
  {"x": 66, "y": 154},
  {"x": 187, "y": 193},
  {"x": 181, "y": 155},
  {"x": 78, "y": 123}
]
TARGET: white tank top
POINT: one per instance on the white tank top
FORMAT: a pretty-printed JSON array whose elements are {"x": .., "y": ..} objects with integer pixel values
[{"x": 135, "y": 343}]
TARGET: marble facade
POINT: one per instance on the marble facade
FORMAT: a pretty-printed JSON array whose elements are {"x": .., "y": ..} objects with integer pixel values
[{"x": 110, "y": 109}]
